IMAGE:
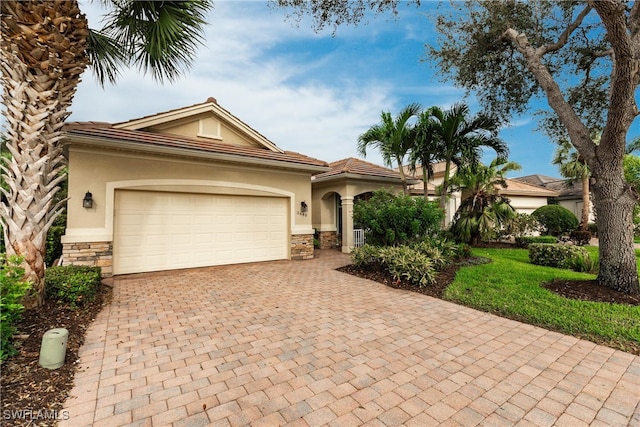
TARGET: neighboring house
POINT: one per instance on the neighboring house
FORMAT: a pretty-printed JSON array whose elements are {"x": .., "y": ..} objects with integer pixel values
[
  {"x": 417, "y": 189},
  {"x": 335, "y": 192},
  {"x": 524, "y": 197},
  {"x": 190, "y": 187},
  {"x": 568, "y": 196}
]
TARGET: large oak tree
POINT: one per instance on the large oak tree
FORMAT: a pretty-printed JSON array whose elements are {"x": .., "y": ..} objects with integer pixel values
[{"x": 582, "y": 57}]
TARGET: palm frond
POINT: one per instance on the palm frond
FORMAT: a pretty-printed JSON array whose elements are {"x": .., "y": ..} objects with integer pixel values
[
  {"x": 107, "y": 57},
  {"x": 161, "y": 37}
]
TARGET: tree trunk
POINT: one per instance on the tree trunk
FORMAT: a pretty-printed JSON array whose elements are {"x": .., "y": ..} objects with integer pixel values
[
  {"x": 444, "y": 190},
  {"x": 586, "y": 202},
  {"x": 403, "y": 178},
  {"x": 42, "y": 56},
  {"x": 614, "y": 204},
  {"x": 425, "y": 180}
]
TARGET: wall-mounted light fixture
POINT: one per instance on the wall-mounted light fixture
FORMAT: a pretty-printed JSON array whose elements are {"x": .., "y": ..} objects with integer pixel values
[
  {"x": 303, "y": 206},
  {"x": 87, "y": 202}
]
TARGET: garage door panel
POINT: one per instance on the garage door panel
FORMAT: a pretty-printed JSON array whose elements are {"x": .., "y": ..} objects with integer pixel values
[{"x": 161, "y": 231}]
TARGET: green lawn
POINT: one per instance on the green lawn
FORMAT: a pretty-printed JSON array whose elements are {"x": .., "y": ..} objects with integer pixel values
[{"x": 510, "y": 286}]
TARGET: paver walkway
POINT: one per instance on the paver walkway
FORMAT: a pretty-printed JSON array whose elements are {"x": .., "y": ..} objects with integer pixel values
[{"x": 297, "y": 343}]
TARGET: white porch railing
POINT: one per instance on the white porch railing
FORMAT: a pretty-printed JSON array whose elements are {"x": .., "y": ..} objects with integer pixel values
[{"x": 358, "y": 237}]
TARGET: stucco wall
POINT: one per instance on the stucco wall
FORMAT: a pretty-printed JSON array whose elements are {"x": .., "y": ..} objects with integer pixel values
[
  {"x": 527, "y": 204},
  {"x": 190, "y": 127},
  {"x": 102, "y": 172}
]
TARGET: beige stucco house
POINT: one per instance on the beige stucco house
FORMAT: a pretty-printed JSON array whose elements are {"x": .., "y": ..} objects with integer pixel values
[
  {"x": 190, "y": 187},
  {"x": 196, "y": 186},
  {"x": 568, "y": 195}
]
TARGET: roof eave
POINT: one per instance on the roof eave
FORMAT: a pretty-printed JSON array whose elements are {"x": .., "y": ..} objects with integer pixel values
[
  {"x": 349, "y": 175},
  {"x": 119, "y": 144}
]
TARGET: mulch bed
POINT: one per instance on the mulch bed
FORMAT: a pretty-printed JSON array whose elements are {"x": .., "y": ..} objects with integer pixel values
[{"x": 31, "y": 394}]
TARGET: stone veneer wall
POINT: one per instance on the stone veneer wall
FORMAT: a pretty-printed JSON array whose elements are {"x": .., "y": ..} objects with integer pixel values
[
  {"x": 98, "y": 254},
  {"x": 328, "y": 239},
  {"x": 301, "y": 246}
]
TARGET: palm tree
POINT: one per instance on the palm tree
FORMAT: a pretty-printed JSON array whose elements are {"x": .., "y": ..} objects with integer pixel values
[
  {"x": 574, "y": 167},
  {"x": 483, "y": 208},
  {"x": 392, "y": 137},
  {"x": 462, "y": 138},
  {"x": 46, "y": 47},
  {"x": 425, "y": 148}
]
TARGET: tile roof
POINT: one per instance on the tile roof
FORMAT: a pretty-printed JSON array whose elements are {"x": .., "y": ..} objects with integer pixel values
[
  {"x": 536, "y": 179},
  {"x": 355, "y": 166},
  {"x": 559, "y": 185},
  {"x": 141, "y": 139},
  {"x": 519, "y": 188}
]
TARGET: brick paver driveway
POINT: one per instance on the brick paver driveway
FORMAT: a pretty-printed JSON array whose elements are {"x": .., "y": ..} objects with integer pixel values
[{"x": 299, "y": 343}]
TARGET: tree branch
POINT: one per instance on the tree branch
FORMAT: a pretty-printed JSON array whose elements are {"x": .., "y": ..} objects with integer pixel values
[
  {"x": 577, "y": 131},
  {"x": 564, "y": 37}
]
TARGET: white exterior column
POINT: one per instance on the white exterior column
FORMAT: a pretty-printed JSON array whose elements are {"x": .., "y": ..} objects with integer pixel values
[{"x": 347, "y": 224}]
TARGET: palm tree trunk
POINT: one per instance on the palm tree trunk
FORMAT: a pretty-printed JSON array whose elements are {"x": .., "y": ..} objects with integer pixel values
[
  {"x": 444, "y": 190},
  {"x": 403, "y": 178},
  {"x": 42, "y": 57},
  {"x": 425, "y": 180},
  {"x": 586, "y": 202}
]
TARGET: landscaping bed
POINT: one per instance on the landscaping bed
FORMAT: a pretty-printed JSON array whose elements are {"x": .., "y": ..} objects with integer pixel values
[{"x": 31, "y": 394}]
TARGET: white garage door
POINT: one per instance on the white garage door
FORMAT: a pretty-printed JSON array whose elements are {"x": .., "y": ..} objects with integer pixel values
[{"x": 164, "y": 231}]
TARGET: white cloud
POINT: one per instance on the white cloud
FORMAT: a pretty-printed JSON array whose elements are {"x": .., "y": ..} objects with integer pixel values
[{"x": 317, "y": 117}]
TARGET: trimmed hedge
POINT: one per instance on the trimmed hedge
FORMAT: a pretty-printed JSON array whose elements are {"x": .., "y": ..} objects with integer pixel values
[
  {"x": 525, "y": 241},
  {"x": 556, "y": 219},
  {"x": 555, "y": 255},
  {"x": 72, "y": 284},
  {"x": 580, "y": 237}
]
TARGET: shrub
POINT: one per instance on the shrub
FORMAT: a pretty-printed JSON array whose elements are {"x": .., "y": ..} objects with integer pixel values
[
  {"x": 520, "y": 225},
  {"x": 593, "y": 228},
  {"x": 405, "y": 262},
  {"x": 525, "y": 241},
  {"x": 72, "y": 284},
  {"x": 402, "y": 262},
  {"x": 556, "y": 219},
  {"x": 12, "y": 289},
  {"x": 391, "y": 220},
  {"x": 441, "y": 251},
  {"x": 580, "y": 237},
  {"x": 582, "y": 263},
  {"x": 554, "y": 255},
  {"x": 365, "y": 255},
  {"x": 54, "y": 245}
]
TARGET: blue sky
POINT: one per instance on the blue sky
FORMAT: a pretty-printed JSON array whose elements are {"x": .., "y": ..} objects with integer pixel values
[{"x": 307, "y": 92}]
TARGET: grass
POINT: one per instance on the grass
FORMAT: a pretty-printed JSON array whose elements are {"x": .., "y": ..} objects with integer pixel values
[{"x": 510, "y": 287}]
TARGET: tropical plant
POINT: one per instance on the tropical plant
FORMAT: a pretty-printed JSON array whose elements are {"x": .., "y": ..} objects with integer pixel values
[
  {"x": 425, "y": 148},
  {"x": 483, "y": 207},
  {"x": 573, "y": 167},
  {"x": 461, "y": 139},
  {"x": 45, "y": 48},
  {"x": 392, "y": 137}
]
